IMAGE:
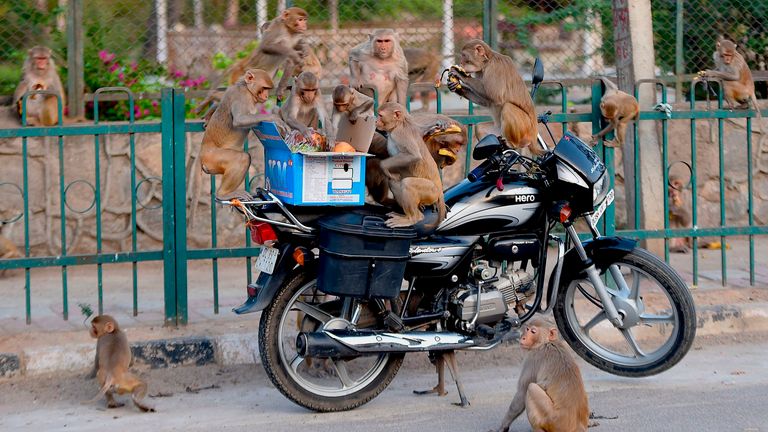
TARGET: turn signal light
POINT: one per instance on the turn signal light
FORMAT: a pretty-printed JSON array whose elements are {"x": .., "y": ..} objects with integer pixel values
[
  {"x": 300, "y": 255},
  {"x": 262, "y": 233},
  {"x": 565, "y": 213}
]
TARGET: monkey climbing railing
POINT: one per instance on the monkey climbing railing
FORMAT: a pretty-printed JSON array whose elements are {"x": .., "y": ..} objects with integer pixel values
[{"x": 176, "y": 251}]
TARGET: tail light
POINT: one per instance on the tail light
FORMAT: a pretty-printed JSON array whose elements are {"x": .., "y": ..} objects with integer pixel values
[{"x": 262, "y": 232}]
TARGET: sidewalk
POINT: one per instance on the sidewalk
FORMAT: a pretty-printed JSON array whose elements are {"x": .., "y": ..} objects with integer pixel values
[{"x": 50, "y": 344}]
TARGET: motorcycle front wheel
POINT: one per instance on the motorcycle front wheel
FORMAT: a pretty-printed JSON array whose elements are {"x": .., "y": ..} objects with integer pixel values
[
  {"x": 323, "y": 385},
  {"x": 659, "y": 319}
]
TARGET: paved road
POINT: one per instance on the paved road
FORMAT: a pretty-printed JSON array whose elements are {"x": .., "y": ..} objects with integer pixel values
[{"x": 717, "y": 387}]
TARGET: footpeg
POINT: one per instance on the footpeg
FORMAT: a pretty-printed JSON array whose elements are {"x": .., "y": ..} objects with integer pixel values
[{"x": 393, "y": 322}]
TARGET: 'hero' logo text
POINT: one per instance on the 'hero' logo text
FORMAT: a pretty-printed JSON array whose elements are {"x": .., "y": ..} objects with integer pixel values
[{"x": 525, "y": 198}]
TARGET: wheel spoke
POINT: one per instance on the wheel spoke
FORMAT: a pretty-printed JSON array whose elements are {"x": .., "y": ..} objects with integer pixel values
[
  {"x": 634, "y": 292},
  {"x": 296, "y": 362},
  {"x": 632, "y": 342},
  {"x": 597, "y": 319},
  {"x": 343, "y": 374},
  {"x": 313, "y": 311},
  {"x": 657, "y": 319}
]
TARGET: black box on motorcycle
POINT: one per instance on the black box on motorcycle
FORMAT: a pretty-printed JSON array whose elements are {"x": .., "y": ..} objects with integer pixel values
[{"x": 361, "y": 257}]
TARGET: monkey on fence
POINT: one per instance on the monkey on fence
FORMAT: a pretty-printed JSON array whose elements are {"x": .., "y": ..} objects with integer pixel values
[
  {"x": 619, "y": 108},
  {"x": 39, "y": 73},
  {"x": 679, "y": 215},
  {"x": 282, "y": 44},
  {"x": 497, "y": 85},
  {"x": 113, "y": 360},
  {"x": 738, "y": 86},
  {"x": 550, "y": 388},
  {"x": 380, "y": 63},
  {"x": 423, "y": 66}
]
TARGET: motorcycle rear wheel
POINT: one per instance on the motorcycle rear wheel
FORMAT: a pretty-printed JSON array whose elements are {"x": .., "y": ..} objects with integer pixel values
[
  {"x": 657, "y": 309},
  {"x": 322, "y": 385}
]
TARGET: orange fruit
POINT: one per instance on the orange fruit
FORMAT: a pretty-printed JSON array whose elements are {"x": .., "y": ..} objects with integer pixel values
[{"x": 343, "y": 147}]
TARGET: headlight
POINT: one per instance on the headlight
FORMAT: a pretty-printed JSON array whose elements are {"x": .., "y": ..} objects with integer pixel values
[{"x": 600, "y": 189}]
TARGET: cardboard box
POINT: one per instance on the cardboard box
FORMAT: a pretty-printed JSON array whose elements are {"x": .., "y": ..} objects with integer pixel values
[{"x": 316, "y": 178}]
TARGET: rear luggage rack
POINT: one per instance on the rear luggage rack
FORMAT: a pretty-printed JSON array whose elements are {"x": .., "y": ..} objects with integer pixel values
[{"x": 265, "y": 198}]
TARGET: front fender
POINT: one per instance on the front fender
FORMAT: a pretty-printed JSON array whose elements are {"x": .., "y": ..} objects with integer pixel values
[
  {"x": 267, "y": 284},
  {"x": 602, "y": 251}
]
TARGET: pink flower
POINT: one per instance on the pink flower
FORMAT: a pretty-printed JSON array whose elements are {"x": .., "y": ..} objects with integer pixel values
[
  {"x": 146, "y": 112},
  {"x": 177, "y": 73},
  {"x": 115, "y": 66},
  {"x": 121, "y": 76},
  {"x": 106, "y": 56},
  {"x": 155, "y": 104},
  {"x": 134, "y": 66}
]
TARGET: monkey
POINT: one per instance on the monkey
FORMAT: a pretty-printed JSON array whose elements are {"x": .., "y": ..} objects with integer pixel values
[
  {"x": 113, "y": 362},
  {"x": 679, "y": 215},
  {"x": 619, "y": 108},
  {"x": 497, "y": 85},
  {"x": 39, "y": 73},
  {"x": 738, "y": 85},
  {"x": 411, "y": 171},
  {"x": 443, "y": 137},
  {"x": 282, "y": 43},
  {"x": 8, "y": 250},
  {"x": 283, "y": 38},
  {"x": 550, "y": 388},
  {"x": 352, "y": 104},
  {"x": 380, "y": 63},
  {"x": 241, "y": 108},
  {"x": 304, "y": 106},
  {"x": 309, "y": 63},
  {"x": 423, "y": 66}
]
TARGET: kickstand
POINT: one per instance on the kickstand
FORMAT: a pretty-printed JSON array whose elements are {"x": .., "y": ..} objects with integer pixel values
[{"x": 440, "y": 359}]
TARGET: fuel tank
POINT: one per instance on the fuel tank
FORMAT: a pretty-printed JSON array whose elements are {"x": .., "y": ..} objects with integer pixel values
[
  {"x": 480, "y": 208},
  {"x": 438, "y": 255}
]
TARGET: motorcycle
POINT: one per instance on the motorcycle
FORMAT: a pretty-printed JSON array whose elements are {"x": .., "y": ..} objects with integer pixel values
[{"x": 343, "y": 298}]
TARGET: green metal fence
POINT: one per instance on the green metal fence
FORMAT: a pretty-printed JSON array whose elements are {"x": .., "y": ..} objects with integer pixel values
[{"x": 176, "y": 251}]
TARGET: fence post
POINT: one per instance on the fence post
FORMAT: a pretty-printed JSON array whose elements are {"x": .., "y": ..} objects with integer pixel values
[
  {"x": 174, "y": 207},
  {"x": 180, "y": 203},
  {"x": 169, "y": 222},
  {"x": 75, "y": 77},
  {"x": 679, "y": 63},
  {"x": 490, "y": 30}
]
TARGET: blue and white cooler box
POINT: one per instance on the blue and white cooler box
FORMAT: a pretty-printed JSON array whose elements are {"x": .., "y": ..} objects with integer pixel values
[{"x": 312, "y": 178}]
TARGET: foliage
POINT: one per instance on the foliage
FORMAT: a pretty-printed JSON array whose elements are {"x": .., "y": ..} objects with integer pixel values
[
  {"x": 743, "y": 21},
  {"x": 105, "y": 69}
]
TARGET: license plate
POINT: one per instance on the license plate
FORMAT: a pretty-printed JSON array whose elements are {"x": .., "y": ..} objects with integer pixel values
[
  {"x": 595, "y": 217},
  {"x": 267, "y": 259}
]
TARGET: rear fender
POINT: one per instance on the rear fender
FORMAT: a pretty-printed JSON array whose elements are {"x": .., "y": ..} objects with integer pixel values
[{"x": 267, "y": 284}]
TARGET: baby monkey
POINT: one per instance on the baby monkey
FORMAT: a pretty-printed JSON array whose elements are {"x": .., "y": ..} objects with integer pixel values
[{"x": 113, "y": 359}]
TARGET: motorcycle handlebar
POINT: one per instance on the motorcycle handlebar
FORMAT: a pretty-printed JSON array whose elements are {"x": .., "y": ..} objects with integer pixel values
[{"x": 480, "y": 171}]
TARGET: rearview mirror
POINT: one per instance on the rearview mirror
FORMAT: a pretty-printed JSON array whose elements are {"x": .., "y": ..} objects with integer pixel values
[
  {"x": 486, "y": 148},
  {"x": 538, "y": 71}
]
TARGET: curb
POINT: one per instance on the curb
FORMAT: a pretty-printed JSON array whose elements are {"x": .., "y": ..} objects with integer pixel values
[{"x": 242, "y": 348}]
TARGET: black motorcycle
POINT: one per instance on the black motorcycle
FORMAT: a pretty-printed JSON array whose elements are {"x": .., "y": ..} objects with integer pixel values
[{"x": 343, "y": 298}]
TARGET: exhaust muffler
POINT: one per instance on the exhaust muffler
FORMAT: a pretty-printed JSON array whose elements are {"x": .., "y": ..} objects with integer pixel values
[{"x": 352, "y": 343}]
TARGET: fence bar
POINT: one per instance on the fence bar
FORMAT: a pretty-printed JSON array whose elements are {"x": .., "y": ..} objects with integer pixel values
[
  {"x": 214, "y": 244},
  {"x": 62, "y": 210},
  {"x": 169, "y": 239},
  {"x": 694, "y": 188},
  {"x": 25, "y": 186},
  {"x": 750, "y": 204},
  {"x": 180, "y": 202},
  {"x": 721, "y": 167}
]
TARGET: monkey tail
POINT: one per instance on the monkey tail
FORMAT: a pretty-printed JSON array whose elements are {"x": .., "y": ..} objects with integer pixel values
[
  {"x": 107, "y": 384},
  {"x": 608, "y": 83},
  {"x": 441, "y": 212}
]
